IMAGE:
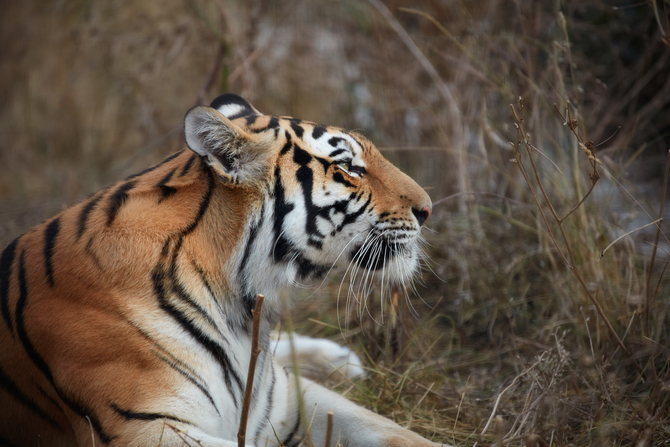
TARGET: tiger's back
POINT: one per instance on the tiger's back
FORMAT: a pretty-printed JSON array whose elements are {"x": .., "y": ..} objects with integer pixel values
[{"x": 131, "y": 310}]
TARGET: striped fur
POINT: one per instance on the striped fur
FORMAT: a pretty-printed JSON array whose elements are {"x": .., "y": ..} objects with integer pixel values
[{"x": 126, "y": 318}]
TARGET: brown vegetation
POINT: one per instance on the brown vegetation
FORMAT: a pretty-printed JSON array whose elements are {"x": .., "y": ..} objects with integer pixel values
[{"x": 521, "y": 332}]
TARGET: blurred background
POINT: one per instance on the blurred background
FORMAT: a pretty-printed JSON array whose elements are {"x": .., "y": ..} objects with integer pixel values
[{"x": 501, "y": 342}]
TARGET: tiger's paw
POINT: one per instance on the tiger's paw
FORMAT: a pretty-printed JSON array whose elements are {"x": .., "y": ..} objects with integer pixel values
[{"x": 317, "y": 358}]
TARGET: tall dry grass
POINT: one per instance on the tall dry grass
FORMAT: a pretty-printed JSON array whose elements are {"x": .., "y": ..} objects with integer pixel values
[{"x": 512, "y": 340}]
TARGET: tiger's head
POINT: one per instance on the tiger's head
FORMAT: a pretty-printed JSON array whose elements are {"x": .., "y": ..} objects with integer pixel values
[{"x": 321, "y": 195}]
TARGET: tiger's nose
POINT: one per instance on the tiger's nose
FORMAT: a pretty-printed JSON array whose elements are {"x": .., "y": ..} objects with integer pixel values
[{"x": 423, "y": 214}]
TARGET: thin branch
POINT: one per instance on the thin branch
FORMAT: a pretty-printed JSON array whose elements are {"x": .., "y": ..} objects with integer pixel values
[
  {"x": 572, "y": 123},
  {"x": 255, "y": 350},
  {"x": 602, "y": 253},
  {"x": 593, "y": 185},
  {"x": 547, "y": 158},
  {"x": 329, "y": 427},
  {"x": 495, "y": 406}
]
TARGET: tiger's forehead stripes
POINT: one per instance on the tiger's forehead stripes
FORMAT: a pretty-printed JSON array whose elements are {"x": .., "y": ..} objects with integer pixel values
[{"x": 323, "y": 141}]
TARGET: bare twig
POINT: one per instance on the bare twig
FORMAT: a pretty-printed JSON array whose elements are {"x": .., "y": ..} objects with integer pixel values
[
  {"x": 329, "y": 427},
  {"x": 499, "y": 431},
  {"x": 255, "y": 350},
  {"x": 602, "y": 253},
  {"x": 595, "y": 176},
  {"x": 495, "y": 406}
]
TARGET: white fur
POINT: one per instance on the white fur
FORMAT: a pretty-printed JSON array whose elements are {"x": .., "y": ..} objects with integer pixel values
[{"x": 318, "y": 355}]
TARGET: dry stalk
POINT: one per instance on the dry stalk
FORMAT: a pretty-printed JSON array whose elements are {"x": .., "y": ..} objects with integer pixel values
[
  {"x": 595, "y": 176},
  {"x": 495, "y": 406},
  {"x": 657, "y": 221},
  {"x": 499, "y": 431},
  {"x": 255, "y": 351},
  {"x": 329, "y": 427}
]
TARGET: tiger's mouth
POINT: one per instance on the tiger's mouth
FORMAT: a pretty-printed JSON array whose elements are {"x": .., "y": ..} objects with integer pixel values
[{"x": 378, "y": 254}]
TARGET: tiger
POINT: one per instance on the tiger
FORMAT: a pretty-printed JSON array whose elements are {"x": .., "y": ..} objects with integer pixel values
[{"x": 127, "y": 318}]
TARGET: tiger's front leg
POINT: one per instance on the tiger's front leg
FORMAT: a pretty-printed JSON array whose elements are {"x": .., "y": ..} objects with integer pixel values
[{"x": 353, "y": 426}]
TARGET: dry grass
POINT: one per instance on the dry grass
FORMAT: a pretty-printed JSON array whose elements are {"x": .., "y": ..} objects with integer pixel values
[{"x": 522, "y": 332}]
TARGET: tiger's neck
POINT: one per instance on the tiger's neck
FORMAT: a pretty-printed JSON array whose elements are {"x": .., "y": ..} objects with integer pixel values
[{"x": 228, "y": 254}]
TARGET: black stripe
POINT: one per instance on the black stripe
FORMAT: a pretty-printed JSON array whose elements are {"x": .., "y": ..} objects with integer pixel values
[
  {"x": 339, "y": 178},
  {"x": 39, "y": 361},
  {"x": 301, "y": 156},
  {"x": 188, "y": 165},
  {"x": 281, "y": 248},
  {"x": 117, "y": 199},
  {"x": 358, "y": 169},
  {"x": 251, "y": 119},
  {"x": 179, "y": 290},
  {"x": 306, "y": 178},
  {"x": 6, "y": 261},
  {"x": 269, "y": 404},
  {"x": 198, "y": 334},
  {"x": 307, "y": 268},
  {"x": 178, "y": 365},
  {"x": 349, "y": 218},
  {"x": 274, "y": 123},
  {"x": 204, "y": 204},
  {"x": 136, "y": 416},
  {"x": 249, "y": 298},
  {"x": 288, "y": 145},
  {"x": 318, "y": 132},
  {"x": 85, "y": 212},
  {"x": 337, "y": 152},
  {"x": 50, "y": 235},
  {"x": 166, "y": 191},
  {"x": 297, "y": 128},
  {"x": 293, "y": 433},
  {"x": 159, "y": 277},
  {"x": 8, "y": 384},
  {"x": 326, "y": 164},
  {"x": 334, "y": 141},
  {"x": 241, "y": 114}
]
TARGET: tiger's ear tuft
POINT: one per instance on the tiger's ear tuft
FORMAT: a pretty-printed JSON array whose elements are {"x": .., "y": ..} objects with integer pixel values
[
  {"x": 237, "y": 156},
  {"x": 233, "y": 106}
]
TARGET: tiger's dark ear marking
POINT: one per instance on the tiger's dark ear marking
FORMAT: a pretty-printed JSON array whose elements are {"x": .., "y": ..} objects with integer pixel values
[{"x": 233, "y": 106}]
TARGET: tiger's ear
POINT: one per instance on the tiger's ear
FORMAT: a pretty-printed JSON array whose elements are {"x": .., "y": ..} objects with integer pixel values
[{"x": 236, "y": 155}]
